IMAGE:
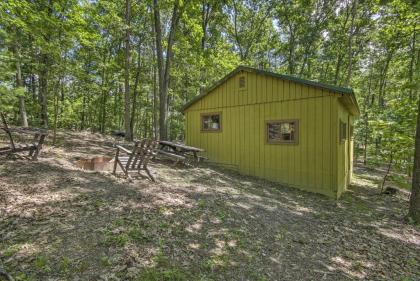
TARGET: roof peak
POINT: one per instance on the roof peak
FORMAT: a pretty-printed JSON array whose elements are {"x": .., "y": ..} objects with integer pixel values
[
  {"x": 293, "y": 78},
  {"x": 332, "y": 88}
]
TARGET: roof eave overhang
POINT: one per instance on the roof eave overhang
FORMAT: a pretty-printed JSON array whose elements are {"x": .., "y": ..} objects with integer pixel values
[
  {"x": 353, "y": 106},
  {"x": 350, "y": 103}
]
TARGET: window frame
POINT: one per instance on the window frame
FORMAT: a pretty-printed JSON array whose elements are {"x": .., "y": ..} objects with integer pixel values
[
  {"x": 242, "y": 76},
  {"x": 202, "y": 115},
  {"x": 296, "y": 135},
  {"x": 342, "y": 132}
]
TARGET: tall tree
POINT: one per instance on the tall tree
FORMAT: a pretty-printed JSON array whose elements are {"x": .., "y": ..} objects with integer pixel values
[
  {"x": 127, "y": 104},
  {"x": 20, "y": 87},
  {"x": 350, "y": 42},
  {"x": 414, "y": 211},
  {"x": 164, "y": 63}
]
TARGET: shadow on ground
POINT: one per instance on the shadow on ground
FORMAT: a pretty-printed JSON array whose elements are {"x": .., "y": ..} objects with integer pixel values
[{"x": 206, "y": 223}]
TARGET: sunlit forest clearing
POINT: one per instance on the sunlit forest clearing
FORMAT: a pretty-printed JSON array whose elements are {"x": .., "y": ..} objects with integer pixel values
[
  {"x": 209, "y": 140},
  {"x": 205, "y": 223}
]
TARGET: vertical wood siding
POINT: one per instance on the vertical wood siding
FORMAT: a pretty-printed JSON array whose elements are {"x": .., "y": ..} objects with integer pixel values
[
  {"x": 343, "y": 167},
  {"x": 314, "y": 164}
]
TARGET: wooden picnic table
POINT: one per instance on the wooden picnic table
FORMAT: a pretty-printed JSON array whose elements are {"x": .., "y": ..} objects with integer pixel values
[{"x": 181, "y": 149}]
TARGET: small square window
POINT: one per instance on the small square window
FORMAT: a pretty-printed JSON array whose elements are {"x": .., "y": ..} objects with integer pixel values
[
  {"x": 242, "y": 82},
  {"x": 343, "y": 131},
  {"x": 283, "y": 131},
  {"x": 211, "y": 122}
]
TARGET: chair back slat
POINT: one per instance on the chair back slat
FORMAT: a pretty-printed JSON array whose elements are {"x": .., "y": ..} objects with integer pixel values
[
  {"x": 6, "y": 129},
  {"x": 132, "y": 154},
  {"x": 138, "y": 153},
  {"x": 143, "y": 153},
  {"x": 150, "y": 152}
]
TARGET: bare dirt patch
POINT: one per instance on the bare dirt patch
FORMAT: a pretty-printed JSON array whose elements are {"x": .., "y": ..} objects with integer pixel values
[{"x": 59, "y": 222}]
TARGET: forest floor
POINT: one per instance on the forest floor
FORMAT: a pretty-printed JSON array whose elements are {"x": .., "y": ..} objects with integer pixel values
[{"x": 58, "y": 222}]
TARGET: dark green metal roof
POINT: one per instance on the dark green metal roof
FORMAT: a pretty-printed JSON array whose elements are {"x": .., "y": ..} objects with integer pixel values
[{"x": 333, "y": 88}]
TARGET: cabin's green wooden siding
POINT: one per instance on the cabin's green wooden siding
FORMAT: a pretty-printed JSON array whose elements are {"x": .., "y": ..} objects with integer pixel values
[
  {"x": 345, "y": 152},
  {"x": 312, "y": 164}
]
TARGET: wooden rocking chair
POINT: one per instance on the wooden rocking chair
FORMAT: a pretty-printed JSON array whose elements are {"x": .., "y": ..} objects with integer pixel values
[
  {"x": 137, "y": 159},
  {"x": 33, "y": 147}
]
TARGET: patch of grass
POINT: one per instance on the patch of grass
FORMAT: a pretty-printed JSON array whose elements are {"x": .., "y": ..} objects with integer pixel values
[
  {"x": 114, "y": 239},
  {"x": 406, "y": 279},
  {"x": 219, "y": 261},
  {"x": 239, "y": 235},
  {"x": 105, "y": 261},
  {"x": 163, "y": 270},
  {"x": 163, "y": 209},
  {"x": 120, "y": 240},
  {"x": 279, "y": 236},
  {"x": 11, "y": 250},
  {"x": 221, "y": 215},
  {"x": 82, "y": 266},
  {"x": 173, "y": 274},
  {"x": 122, "y": 236},
  {"x": 24, "y": 277},
  {"x": 256, "y": 275},
  {"x": 321, "y": 215},
  {"x": 65, "y": 265},
  {"x": 119, "y": 222},
  {"x": 99, "y": 203},
  {"x": 41, "y": 263},
  {"x": 161, "y": 259},
  {"x": 412, "y": 262},
  {"x": 201, "y": 203},
  {"x": 356, "y": 265},
  {"x": 179, "y": 230},
  {"x": 204, "y": 277},
  {"x": 164, "y": 225},
  {"x": 137, "y": 234}
]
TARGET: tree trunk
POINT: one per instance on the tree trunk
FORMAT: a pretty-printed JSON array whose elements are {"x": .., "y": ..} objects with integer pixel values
[
  {"x": 135, "y": 90},
  {"x": 205, "y": 17},
  {"x": 391, "y": 158},
  {"x": 383, "y": 79},
  {"x": 414, "y": 211},
  {"x": 56, "y": 101},
  {"x": 164, "y": 67},
  {"x": 350, "y": 43},
  {"x": 83, "y": 116},
  {"x": 155, "y": 102},
  {"x": 43, "y": 90},
  {"x": 337, "y": 69},
  {"x": 104, "y": 97},
  {"x": 411, "y": 67},
  {"x": 127, "y": 115},
  {"x": 159, "y": 56},
  {"x": 19, "y": 84},
  {"x": 291, "y": 64}
]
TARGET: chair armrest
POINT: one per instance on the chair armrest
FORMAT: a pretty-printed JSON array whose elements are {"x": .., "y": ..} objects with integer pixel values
[{"x": 123, "y": 149}]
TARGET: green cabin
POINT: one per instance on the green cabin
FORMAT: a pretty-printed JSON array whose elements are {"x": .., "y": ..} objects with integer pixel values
[{"x": 289, "y": 130}]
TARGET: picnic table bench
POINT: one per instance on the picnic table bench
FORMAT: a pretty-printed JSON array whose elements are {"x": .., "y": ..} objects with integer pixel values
[
  {"x": 34, "y": 146},
  {"x": 180, "y": 152}
]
